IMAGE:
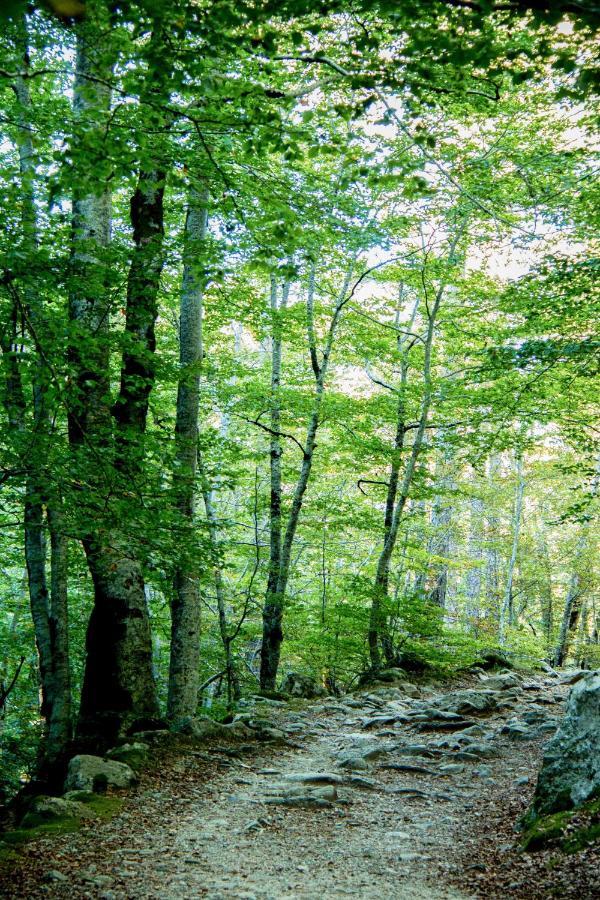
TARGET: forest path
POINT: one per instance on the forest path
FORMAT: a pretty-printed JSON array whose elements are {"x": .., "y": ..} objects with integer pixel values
[{"x": 375, "y": 795}]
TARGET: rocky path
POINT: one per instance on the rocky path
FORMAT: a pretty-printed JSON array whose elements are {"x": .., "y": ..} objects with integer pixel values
[{"x": 402, "y": 792}]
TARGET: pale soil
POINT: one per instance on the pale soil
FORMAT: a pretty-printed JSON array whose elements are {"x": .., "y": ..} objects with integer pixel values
[{"x": 202, "y": 826}]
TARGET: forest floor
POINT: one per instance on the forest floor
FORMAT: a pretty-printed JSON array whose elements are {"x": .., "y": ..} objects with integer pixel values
[{"x": 400, "y": 810}]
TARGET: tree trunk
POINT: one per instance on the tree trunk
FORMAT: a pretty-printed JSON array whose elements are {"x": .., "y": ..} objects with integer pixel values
[
  {"x": 473, "y": 577},
  {"x": 49, "y": 610},
  {"x": 575, "y": 594},
  {"x": 273, "y": 608},
  {"x": 377, "y": 617},
  {"x": 274, "y": 602},
  {"x": 569, "y": 619},
  {"x": 185, "y": 605},
  {"x": 118, "y": 688},
  {"x": 441, "y": 517},
  {"x": 491, "y": 541},
  {"x": 507, "y": 613}
]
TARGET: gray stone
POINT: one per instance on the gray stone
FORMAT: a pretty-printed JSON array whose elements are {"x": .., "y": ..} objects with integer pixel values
[
  {"x": 379, "y": 721},
  {"x": 452, "y": 769},
  {"x": 53, "y": 875},
  {"x": 99, "y": 881},
  {"x": 573, "y": 677},
  {"x": 354, "y": 763},
  {"x": 502, "y": 682},
  {"x": 547, "y": 668},
  {"x": 92, "y": 773},
  {"x": 314, "y": 778},
  {"x": 570, "y": 773},
  {"x": 533, "y": 716},
  {"x": 468, "y": 702},
  {"x": 53, "y": 808},
  {"x": 547, "y": 727},
  {"x": 298, "y": 685},
  {"x": 517, "y": 731},
  {"x": 199, "y": 727},
  {"x": 477, "y": 751},
  {"x": 135, "y": 754},
  {"x": 80, "y": 796}
]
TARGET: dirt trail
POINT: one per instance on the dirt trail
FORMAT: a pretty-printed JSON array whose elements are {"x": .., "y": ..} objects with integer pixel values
[{"x": 374, "y": 796}]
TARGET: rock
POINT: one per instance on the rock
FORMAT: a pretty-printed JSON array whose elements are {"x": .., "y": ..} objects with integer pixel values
[
  {"x": 468, "y": 702},
  {"x": 51, "y": 809},
  {"x": 502, "y": 682},
  {"x": 452, "y": 769},
  {"x": 380, "y": 721},
  {"x": 80, "y": 796},
  {"x": 300, "y": 795},
  {"x": 422, "y": 750},
  {"x": 534, "y": 716},
  {"x": 134, "y": 754},
  {"x": 314, "y": 778},
  {"x": 354, "y": 763},
  {"x": 392, "y": 674},
  {"x": 457, "y": 724},
  {"x": 99, "y": 881},
  {"x": 493, "y": 659},
  {"x": 53, "y": 875},
  {"x": 547, "y": 728},
  {"x": 269, "y": 734},
  {"x": 573, "y": 677},
  {"x": 545, "y": 667},
  {"x": 92, "y": 773},
  {"x": 199, "y": 727},
  {"x": 476, "y": 751},
  {"x": 570, "y": 773},
  {"x": 295, "y": 684},
  {"x": 155, "y": 736},
  {"x": 517, "y": 731}
]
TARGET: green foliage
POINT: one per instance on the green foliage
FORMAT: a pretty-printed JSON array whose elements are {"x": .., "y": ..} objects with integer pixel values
[{"x": 342, "y": 155}]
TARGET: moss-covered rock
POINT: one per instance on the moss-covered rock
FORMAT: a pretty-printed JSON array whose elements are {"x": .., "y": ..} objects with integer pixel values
[
  {"x": 570, "y": 830},
  {"x": 93, "y": 773},
  {"x": 570, "y": 773},
  {"x": 52, "y": 809},
  {"x": 134, "y": 754}
]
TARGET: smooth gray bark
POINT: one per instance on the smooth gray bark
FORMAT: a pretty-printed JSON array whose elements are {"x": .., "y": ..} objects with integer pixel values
[
  {"x": 473, "y": 580},
  {"x": 274, "y": 602},
  {"x": 185, "y": 606},
  {"x": 118, "y": 688},
  {"x": 377, "y": 617},
  {"x": 507, "y": 612},
  {"x": 42, "y": 502}
]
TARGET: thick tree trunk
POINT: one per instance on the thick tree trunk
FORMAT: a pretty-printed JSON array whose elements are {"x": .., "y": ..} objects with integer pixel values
[
  {"x": 185, "y": 605},
  {"x": 49, "y": 610},
  {"x": 118, "y": 690}
]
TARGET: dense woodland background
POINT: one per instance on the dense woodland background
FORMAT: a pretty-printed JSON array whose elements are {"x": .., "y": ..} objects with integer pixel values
[{"x": 298, "y": 318}]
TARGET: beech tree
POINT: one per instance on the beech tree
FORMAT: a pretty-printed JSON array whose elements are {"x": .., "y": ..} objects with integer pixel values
[{"x": 298, "y": 328}]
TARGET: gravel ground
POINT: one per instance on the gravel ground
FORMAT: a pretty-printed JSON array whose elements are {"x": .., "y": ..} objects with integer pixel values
[{"x": 243, "y": 822}]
